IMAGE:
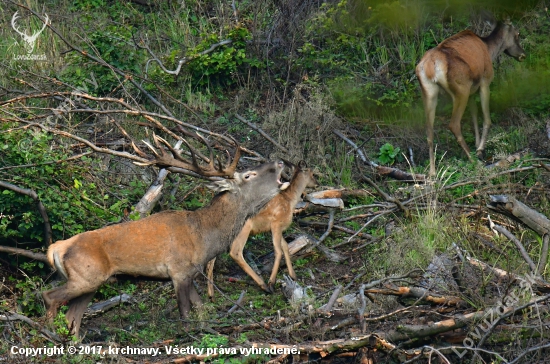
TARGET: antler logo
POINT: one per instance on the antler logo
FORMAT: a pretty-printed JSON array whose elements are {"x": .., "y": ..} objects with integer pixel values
[{"x": 30, "y": 40}]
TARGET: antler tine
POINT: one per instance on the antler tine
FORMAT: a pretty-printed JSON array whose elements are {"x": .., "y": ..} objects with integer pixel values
[
  {"x": 194, "y": 160},
  {"x": 233, "y": 165},
  {"x": 210, "y": 151},
  {"x": 174, "y": 159},
  {"x": 151, "y": 147}
]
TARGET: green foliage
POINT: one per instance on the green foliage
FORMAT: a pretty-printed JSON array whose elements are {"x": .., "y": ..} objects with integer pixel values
[
  {"x": 73, "y": 200},
  {"x": 218, "y": 67},
  {"x": 27, "y": 299},
  {"x": 389, "y": 154}
]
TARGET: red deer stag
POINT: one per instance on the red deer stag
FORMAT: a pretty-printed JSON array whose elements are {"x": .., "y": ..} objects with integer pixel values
[
  {"x": 276, "y": 217},
  {"x": 169, "y": 245},
  {"x": 461, "y": 65}
]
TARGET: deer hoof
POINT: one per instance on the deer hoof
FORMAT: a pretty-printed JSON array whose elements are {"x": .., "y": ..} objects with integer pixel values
[
  {"x": 267, "y": 288},
  {"x": 271, "y": 287}
]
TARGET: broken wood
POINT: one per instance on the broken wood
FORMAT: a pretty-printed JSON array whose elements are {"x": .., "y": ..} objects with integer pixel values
[{"x": 509, "y": 206}]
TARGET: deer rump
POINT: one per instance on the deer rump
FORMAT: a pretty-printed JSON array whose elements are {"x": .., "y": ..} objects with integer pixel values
[{"x": 461, "y": 65}]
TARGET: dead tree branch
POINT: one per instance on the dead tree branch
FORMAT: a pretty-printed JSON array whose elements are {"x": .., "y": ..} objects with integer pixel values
[
  {"x": 24, "y": 252},
  {"x": 518, "y": 244},
  {"x": 509, "y": 206}
]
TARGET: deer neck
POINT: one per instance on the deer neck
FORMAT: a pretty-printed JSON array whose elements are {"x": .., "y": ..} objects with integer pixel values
[
  {"x": 224, "y": 218},
  {"x": 495, "y": 42},
  {"x": 297, "y": 186}
]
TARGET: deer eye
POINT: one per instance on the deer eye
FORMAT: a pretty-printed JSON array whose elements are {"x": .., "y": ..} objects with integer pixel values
[{"x": 249, "y": 175}]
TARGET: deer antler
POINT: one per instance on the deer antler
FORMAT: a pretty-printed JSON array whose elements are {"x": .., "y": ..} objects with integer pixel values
[{"x": 174, "y": 159}]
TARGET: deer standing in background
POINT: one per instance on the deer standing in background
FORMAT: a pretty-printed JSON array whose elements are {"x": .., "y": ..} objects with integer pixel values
[
  {"x": 168, "y": 245},
  {"x": 276, "y": 217},
  {"x": 461, "y": 65}
]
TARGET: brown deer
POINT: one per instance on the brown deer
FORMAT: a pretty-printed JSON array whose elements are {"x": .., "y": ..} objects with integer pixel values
[
  {"x": 168, "y": 245},
  {"x": 461, "y": 65},
  {"x": 276, "y": 217}
]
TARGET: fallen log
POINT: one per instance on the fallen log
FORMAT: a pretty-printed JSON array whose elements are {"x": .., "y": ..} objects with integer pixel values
[{"x": 509, "y": 206}]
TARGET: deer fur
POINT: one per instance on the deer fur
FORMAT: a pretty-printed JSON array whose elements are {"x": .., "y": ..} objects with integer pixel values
[
  {"x": 276, "y": 217},
  {"x": 461, "y": 65},
  {"x": 169, "y": 245}
]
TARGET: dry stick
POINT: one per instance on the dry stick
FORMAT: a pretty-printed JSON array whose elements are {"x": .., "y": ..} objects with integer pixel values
[
  {"x": 520, "y": 247},
  {"x": 182, "y": 61},
  {"x": 333, "y": 298},
  {"x": 237, "y": 303},
  {"x": 263, "y": 133},
  {"x": 366, "y": 224},
  {"x": 41, "y": 209},
  {"x": 329, "y": 228},
  {"x": 361, "y": 310},
  {"x": 530, "y": 350},
  {"x": 355, "y": 147},
  {"x": 508, "y": 314},
  {"x": 385, "y": 196},
  {"x": 11, "y": 316},
  {"x": 24, "y": 252},
  {"x": 543, "y": 254}
]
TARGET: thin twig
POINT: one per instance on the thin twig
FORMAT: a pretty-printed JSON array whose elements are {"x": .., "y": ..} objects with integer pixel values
[
  {"x": 238, "y": 303},
  {"x": 508, "y": 314},
  {"x": 355, "y": 147},
  {"x": 262, "y": 133},
  {"x": 11, "y": 316},
  {"x": 329, "y": 227},
  {"x": 530, "y": 350},
  {"x": 518, "y": 244},
  {"x": 543, "y": 254}
]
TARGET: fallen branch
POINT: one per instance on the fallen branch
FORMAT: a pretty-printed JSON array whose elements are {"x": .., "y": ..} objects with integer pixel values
[
  {"x": 12, "y": 316},
  {"x": 509, "y": 206},
  {"x": 24, "y": 252},
  {"x": 418, "y": 293},
  {"x": 518, "y": 244}
]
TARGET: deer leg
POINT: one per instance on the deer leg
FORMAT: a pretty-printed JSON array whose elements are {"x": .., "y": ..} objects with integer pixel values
[
  {"x": 484, "y": 95},
  {"x": 210, "y": 277},
  {"x": 277, "y": 233},
  {"x": 236, "y": 252},
  {"x": 473, "y": 111},
  {"x": 183, "y": 293},
  {"x": 460, "y": 100},
  {"x": 288, "y": 260},
  {"x": 77, "y": 306},
  {"x": 429, "y": 97}
]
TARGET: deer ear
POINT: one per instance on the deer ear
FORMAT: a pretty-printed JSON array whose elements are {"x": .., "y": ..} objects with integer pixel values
[{"x": 222, "y": 185}]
